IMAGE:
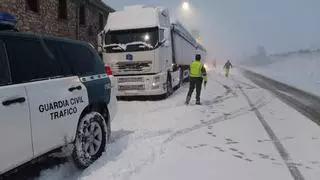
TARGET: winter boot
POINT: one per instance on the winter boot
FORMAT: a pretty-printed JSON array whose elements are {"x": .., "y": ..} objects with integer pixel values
[
  {"x": 188, "y": 100},
  {"x": 198, "y": 103}
]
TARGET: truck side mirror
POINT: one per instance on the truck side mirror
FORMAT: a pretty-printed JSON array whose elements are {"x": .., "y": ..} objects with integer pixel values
[
  {"x": 166, "y": 33},
  {"x": 166, "y": 43},
  {"x": 166, "y": 37}
]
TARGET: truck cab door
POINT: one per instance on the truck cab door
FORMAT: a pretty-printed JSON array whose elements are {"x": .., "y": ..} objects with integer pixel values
[
  {"x": 15, "y": 129},
  {"x": 165, "y": 50}
]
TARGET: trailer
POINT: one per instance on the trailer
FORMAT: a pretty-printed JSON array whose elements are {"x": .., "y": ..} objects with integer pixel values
[{"x": 184, "y": 49}]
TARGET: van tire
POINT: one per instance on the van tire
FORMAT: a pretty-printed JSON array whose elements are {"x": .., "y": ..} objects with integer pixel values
[{"x": 91, "y": 139}]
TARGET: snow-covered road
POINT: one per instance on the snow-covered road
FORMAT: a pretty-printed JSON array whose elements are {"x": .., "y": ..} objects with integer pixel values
[{"x": 240, "y": 132}]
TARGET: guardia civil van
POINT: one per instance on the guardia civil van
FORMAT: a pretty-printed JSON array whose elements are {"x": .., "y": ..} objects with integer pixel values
[{"x": 53, "y": 92}]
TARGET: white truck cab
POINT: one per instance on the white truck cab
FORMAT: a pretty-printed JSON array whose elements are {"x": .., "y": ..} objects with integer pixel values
[
  {"x": 139, "y": 51},
  {"x": 147, "y": 54}
]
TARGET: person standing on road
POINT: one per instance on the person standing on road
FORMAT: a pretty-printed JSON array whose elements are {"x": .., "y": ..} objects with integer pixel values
[
  {"x": 198, "y": 74},
  {"x": 227, "y": 68}
]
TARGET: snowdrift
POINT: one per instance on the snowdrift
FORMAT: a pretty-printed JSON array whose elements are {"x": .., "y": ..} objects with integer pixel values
[{"x": 301, "y": 70}]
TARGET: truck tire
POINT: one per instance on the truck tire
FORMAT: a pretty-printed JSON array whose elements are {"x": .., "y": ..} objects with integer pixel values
[
  {"x": 169, "y": 86},
  {"x": 188, "y": 78},
  {"x": 181, "y": 78},
  {"x": 91, "y": 139}
]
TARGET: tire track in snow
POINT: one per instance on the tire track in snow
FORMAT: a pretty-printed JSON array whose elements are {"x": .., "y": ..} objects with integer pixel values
[
  {"x": 226, "y": 116},
  {"x": 249, "y": 86},
  {"x": 294, "y": 171},
  {"x": 160, "y": 150}
]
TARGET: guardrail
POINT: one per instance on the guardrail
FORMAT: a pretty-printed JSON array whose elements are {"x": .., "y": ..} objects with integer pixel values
[{"x": 306, "y": 103}]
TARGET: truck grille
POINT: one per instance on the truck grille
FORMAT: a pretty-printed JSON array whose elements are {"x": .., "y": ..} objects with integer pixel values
[
  {"x": 131, "y": 87},
  {"x": 133, "y": 66},
  {"x": 130, "y": 79}
]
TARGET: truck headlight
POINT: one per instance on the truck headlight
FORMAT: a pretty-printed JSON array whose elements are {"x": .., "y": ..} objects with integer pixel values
[
  {"x": 156, "y": 79},
  {"x": 155, "y": 86}
]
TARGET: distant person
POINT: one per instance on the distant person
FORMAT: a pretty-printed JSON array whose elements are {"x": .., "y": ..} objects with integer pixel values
[
  {"x": 227, "y": 68},
  {"x": 198, "y": 74}
]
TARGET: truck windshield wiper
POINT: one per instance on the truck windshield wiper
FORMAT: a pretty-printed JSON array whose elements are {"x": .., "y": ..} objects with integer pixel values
[
  {"x": 141, "y": 43},
  {"x": 115, "y": 46}
]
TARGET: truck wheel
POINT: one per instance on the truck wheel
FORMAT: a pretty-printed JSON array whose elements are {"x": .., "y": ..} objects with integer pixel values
[
  {"x": 90, "y": 139},
  {"x": 169, "y": 87},
  {"x": 180, "y": 80},
  {"x": 181, "y": 77}
]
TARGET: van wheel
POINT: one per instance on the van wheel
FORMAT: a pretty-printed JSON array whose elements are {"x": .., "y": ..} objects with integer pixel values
[{"x": 90, "y": 139}]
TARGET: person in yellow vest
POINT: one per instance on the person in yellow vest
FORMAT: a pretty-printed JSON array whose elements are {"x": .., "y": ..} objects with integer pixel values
[
  {"x": 227, "y": 68},
  {"x": 198, "y": 74}
]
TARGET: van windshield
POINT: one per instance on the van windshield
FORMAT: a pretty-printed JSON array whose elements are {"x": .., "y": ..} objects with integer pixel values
[{"x": 132, "y": 40}]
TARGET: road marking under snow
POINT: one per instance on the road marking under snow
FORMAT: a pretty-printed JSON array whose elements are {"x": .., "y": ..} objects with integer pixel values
[
  {"x": 294, "y": 171},
  {"x": 306, "y": 103}
]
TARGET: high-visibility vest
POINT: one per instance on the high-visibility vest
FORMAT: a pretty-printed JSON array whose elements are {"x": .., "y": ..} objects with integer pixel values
[{"x": 196, "y": 69}]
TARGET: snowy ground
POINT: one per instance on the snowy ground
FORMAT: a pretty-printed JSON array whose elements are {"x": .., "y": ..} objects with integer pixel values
[
  {"x": 226, "y": 138},
  {"x": 299, "y": 70}
]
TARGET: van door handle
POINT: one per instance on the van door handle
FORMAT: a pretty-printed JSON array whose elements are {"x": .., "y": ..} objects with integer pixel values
[
  {"x": 75, "y": 88},
  {"x": 14, "y": 101}
]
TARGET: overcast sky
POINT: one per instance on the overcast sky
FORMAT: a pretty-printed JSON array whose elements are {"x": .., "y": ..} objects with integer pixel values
[{"x": 233, "y": 28}]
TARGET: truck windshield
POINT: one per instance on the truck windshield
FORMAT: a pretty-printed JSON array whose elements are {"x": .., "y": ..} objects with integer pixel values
[{"x": 132, "y": 40}]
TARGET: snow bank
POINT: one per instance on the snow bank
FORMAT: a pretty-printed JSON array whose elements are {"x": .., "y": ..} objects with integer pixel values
[{"x": 301, "y": 70}]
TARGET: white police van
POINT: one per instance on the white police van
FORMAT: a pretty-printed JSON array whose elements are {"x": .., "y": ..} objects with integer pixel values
[{"x": 53, "y": 92}]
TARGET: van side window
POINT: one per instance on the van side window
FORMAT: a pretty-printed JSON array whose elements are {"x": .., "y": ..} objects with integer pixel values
[
  {"x": 83, "y": 61},
  {"x": 30, "y": 60},
  {"x": 4, "y": 67},
  {"x": 55, "y": 48}
]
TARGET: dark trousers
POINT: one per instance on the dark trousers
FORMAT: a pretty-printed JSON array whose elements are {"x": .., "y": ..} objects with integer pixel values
[{"x": 195, "y": 82}]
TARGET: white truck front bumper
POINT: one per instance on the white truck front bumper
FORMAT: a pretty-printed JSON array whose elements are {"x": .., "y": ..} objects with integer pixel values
[{"x": 142, "y": 85}]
